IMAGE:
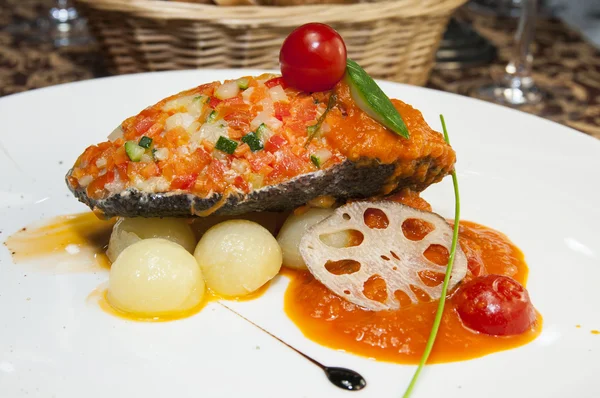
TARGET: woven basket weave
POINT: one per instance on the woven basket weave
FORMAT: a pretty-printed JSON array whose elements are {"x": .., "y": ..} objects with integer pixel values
[{"x": 394, "y": 40}]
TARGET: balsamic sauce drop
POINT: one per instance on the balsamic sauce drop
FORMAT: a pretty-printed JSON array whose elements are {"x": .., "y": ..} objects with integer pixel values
[{"x": 346, "y": 379}]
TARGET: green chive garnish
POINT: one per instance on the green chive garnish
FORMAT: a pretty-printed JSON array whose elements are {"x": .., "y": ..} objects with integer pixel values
[
  {"x": 253, "y": 142},
  {"x": 314, "y": 129},
  {"x": 442, "y": 302},
  {"x": 226, "y": 145},
  {"x": 316, "y": 161},
  {"x": 145, "y": 142}
]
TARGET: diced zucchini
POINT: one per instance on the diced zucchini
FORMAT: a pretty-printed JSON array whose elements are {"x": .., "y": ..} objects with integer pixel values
[
  {"x": 243, "y": 83},
  {"x": 253, "y": 141},
  {"x": 134, "y": 151},
  {"x": 226, "y": 145},
  {"x": 316, "y": 161},
  {"x": 212, "y": 116},
  {"x": 145, "y": 142},
  {"x": 261, "y": 130}
]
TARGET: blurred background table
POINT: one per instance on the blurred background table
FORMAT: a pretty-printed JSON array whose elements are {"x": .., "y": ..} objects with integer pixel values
[{"x": 564, "y": 64}]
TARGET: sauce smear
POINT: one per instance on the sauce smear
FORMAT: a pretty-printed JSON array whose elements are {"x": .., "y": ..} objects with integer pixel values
[
  {"x": 72, "y": 243},
  {"x": 400, "y": 336}
]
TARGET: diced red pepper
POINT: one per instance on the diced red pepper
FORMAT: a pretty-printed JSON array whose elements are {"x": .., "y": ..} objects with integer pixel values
[
  {"x": 241, "y": 184},
  {"x": 281, "y": 110},
  {"x": 274, "y": 143},
  {"x": 96, "y": 187},
  {"x": 184, "y": 182},
  {"x": 213, "y": 102},
  {"x": 277, "y": 81}
]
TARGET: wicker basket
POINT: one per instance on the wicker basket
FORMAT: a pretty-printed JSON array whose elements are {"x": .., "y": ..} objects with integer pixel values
[{"x": 394, "y": 40}]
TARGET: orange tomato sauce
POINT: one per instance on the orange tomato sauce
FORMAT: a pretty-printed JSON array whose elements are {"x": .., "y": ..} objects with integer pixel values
[{"x": 400, "y": 336}]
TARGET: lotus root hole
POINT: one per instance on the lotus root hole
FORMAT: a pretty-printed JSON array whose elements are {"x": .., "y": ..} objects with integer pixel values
[
  {"x": 415, "y": 229},
  {"x": 395, "y": 268},
  {"x": 386, "y": 258},
  {"x": 376, "y": 219},
  {"x": 430, "y": 278},
  {"x": 346, "y": 291},
  {"x": 395, "y": 256},
  {"x": 437, "y": 254},
  {"x": 375, "y": 289},
  {"x": 346, "y": 216},
  {"x": 420, "y": 293},
  {"x": 341, "y": 239},
  {"x": 402, "y": 298},
  {"x": 342, "y": 267}
]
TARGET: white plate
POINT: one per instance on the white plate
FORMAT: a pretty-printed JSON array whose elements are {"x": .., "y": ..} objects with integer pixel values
[{"x": 535, "y": 180}]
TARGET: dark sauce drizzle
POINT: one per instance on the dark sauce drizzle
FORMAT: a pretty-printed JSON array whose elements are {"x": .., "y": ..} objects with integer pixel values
[{"x": 346, "y": 379}]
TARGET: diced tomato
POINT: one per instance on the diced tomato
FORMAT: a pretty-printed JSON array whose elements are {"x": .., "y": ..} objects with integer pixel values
[
  {"x": 213, "y": 102},
  {"x": 274, "y": 143},
  {"x": 122, "y": 171},
  {"x": 96, "y": 187},
  {"x": 277, "y": 81},
  {"x": 142, "y": 125},
  {"x": 215, "y": 172},
  {"x": 120, "y": 156},
  {"x": 287, "y": 166},
  {"x": 281, "y": 110},
  {"x": 184, "y": 182},
  {"x": 240, "y": 183},
  {"x": 259, "y": 160},
  {"x": 150, "y": 170}
]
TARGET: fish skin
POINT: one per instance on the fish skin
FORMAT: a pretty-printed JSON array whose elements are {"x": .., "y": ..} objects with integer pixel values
[{"x": 348, "y": 180}]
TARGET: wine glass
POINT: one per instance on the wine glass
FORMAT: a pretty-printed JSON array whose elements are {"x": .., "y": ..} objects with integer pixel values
[
  {"x": 516, "y": 86},
  {"x": 61, "y": 25}
]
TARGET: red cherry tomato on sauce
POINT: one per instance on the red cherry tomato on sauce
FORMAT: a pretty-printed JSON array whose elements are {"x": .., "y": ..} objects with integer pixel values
[
  {"x": 494, "y": 304},
  {"x": 313, "y": 58}
]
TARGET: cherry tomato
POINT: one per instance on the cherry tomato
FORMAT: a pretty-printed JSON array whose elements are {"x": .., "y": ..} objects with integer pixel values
[
  {"x": 313, "y": 58},
  {"x": 494, "y": 304}
]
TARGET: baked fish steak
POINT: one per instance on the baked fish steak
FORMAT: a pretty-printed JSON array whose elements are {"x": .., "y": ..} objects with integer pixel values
[{"x": 253, "y": 144}]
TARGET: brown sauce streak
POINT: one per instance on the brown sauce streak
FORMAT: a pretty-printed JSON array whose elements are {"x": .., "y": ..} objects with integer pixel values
[{"x": 99, "y": 296}]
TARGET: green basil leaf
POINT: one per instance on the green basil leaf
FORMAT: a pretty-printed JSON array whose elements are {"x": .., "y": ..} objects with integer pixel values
[{"x": 372, "y": 100}]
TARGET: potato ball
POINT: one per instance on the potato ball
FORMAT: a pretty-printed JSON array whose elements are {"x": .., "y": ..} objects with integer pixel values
[
  {"x": 128, "y": 231},
  {"x": 296, "y": 226},
  {"x": 155, "y": 277},
  {"x": 237, "y": 257},
  {"x": 269, "y": 220}
]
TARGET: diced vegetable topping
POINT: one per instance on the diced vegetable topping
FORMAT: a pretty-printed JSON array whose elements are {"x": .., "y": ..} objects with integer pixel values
[
  {"x": 134, "y": 151},
  {"x": 212, "y": 116},
  {"x": 227, "y": 90},
  {"x": 145, "y": 142},
  {"x": 253, "y": 142},
  {"x": 261, "y": 130},
  {"x": 314, "y": 129},
  {"x": 226, "y": 145},
  {"x": 242, "y": 83},
  {"x": 316, "y": 161}
]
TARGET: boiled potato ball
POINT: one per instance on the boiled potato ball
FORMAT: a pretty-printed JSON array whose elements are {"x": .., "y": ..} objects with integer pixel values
[
  {"x": 128, "y": 231},
  {"x": 155, "y": 277},
  {"x": 237, "y": 257},
  {"x": 296, "y": 226}
]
